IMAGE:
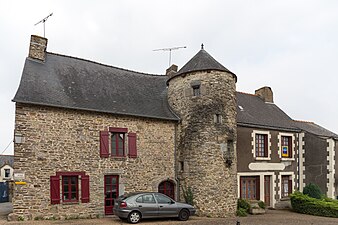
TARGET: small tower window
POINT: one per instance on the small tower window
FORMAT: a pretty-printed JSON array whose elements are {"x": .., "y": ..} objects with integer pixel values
[
  {"x": 196, "y": 90},
  {"x": 218, "y": 118}
]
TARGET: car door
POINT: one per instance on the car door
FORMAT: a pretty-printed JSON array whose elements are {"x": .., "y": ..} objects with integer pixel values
[
  {"x": 147, "y": 205},
  {"x": 166, "y": 206}
]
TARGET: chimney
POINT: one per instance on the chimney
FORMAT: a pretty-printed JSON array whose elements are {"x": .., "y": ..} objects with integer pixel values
[
  {"x": 171, "y": 70},
  {"x": 37, "y": 48},
  {"x": 265, "y": 93}
]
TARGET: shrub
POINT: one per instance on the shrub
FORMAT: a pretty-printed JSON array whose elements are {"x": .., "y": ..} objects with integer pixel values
[
  {"x": 313, "y": 191},
  {"x": 242, "y": 212},
  {"x": 244, "y": 204},
  {"x": 305, "y": 204},
  {"x": 261, "y": 204},
  {"x": 188, "y": 196}
]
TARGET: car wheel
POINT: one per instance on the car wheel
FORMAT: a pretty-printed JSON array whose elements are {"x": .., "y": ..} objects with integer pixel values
[
  {"x": 183, "y": 215},
  {"x": 134, "y": 217}
]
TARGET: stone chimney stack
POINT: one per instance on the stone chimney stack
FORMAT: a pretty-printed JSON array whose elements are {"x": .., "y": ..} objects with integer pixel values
[
  {"x": 37, "y": 48},
  {"x": 265, "y": 93},
  {"x": 171, "y": 70}
]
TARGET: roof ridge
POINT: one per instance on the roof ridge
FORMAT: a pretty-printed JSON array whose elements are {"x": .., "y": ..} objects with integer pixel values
[
  {"x": 101, "y": 64},
  {"x": 304, "y": 121},
  {"x": 246, "y": 93}
]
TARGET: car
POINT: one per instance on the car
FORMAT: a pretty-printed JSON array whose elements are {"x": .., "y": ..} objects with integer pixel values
[{"x": 137, "y": 206}]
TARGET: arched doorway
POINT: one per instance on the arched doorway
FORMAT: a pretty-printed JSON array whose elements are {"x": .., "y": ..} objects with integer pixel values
[{"x": 168, "y": 188}]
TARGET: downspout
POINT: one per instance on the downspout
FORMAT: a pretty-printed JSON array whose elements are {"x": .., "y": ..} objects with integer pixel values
[{"x": 175, "y": 165}]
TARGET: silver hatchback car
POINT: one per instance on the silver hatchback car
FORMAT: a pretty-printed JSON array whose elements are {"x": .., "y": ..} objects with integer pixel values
[{"x": 136, "y": 206}]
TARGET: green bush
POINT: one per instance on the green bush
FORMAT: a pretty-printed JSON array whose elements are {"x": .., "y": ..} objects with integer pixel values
[
  {"x": 305, "y": 204},
  {"x": 188, "y": 195},
  {"x": 313, "y": 191},
  {"x": 242, "y": 212},
  {"x": 261, "y": 204},
  {"x": 244, "y": 204}
]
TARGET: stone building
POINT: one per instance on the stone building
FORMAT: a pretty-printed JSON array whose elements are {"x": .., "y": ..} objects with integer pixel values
[{"x": 91, "y": 132}]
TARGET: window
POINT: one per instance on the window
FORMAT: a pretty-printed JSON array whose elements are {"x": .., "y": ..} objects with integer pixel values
[
  {"x": 117, "y": 144},
  {"x": 286, "y": 146},
  {"x": 218, "y": 118},
  {"x": 161, "y": 199},
  {"x": 196, "y": 90},
  {"x": 74, "y": 185},
  {"x": 70, "y": 189},
  {"x": 249, "y": 188},
  {"x": 113, "y": 143},
  {"x": 286, "y": 185},
  {"x": 261, "y": 145},
  {"x": 148, "y": 198},
  {"x": 7, "y": 173}
]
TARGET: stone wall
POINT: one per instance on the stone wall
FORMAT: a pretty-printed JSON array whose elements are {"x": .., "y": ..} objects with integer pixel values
[
  {"x": 207, "y": 147},
  {"x": 58, "y": 140}
]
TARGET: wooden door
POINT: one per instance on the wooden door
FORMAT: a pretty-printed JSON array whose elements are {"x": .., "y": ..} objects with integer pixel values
[
  {"x": 111, "y": 192},
  {"x": 267, "y": 190}
]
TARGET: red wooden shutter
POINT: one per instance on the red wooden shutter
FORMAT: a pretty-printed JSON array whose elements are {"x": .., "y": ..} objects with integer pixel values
[
  {"x": 55, "y": 189},
  {"x": 104, "y": 144},
  {"x": 85, "y": 188},
  {"x": 132, "y": 153}
]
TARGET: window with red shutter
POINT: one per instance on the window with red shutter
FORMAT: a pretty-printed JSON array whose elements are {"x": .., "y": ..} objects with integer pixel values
[
  {"x": 132, "y": 153},
  {"x": 85, "y": 188},
  {"x": 104, "y": 144},
  {"x": 55, "y": 189}
]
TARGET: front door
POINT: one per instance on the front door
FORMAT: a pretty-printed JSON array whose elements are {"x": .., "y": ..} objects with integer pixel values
[
  {"x": 111, "y": 190},
  {"x": 267, "y": 190}
]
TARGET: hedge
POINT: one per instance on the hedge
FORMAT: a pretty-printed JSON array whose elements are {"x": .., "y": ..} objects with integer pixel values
[{"x": 319, "y": 207}]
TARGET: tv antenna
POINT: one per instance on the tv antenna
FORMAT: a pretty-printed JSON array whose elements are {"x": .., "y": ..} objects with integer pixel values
[
  {"x": 169, "y": 49},
  {"x": 44, "y": 21}
]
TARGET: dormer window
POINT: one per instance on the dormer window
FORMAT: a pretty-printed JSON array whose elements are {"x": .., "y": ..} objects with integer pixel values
[{"x": 196, "y": 90}]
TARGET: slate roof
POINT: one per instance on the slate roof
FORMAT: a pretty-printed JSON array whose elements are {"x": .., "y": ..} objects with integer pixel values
[
  {"x": 314, "y": 129},
  {"x": 252, "y": 111},
  {"x": 6, "y": 160},
  {"x": 202, "y": 61},
  {"x": 74, "y": 83}
]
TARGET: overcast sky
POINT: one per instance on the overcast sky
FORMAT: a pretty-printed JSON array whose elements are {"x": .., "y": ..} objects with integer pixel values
[{"x": 291, "y": 46}]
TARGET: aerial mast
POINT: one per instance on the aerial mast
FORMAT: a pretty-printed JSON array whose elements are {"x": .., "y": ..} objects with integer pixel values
[
  {"x": 169, "y": 49},
  {"x": 44, "y": 21}
]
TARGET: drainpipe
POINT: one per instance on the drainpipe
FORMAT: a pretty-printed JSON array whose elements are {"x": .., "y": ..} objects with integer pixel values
[{"x": 175, "y": 164}]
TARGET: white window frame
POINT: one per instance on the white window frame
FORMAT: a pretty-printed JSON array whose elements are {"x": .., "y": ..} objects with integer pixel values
[
  {"x": 261, "y": 185},
  {"x": 292, "y": 174},
  {"x": 292, "y": 158},
  {"x": 253, "y": 143}
]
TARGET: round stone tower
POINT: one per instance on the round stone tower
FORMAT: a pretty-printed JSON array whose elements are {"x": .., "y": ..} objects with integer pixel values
[{"x": 203, "y": 94}]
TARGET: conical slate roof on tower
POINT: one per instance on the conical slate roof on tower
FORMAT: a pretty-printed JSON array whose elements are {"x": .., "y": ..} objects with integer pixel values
[{"x": 202, "y": 61}]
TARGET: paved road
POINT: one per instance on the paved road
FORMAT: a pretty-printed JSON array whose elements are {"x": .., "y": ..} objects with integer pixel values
[{"x": 272, "y": 217}]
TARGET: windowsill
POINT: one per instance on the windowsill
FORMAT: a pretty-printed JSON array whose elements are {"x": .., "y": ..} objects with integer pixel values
[
  {"x": 262, "y": 158},
  {"x": 288, "y": 159},
  {"x": 70, "y": 203},
  {"x": 119, "y": 158},
  {"x": 285, "y": 199}
]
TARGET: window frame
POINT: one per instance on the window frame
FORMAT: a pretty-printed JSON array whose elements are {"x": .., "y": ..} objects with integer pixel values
[
  {"x": 196, "y": 90},
  {"x": 9, "y": 173},
  {"x": 287, "y": 178},
  {"x": 115, "y": 152},
  {"x": 69, "y": 188},
  {"x": 291, "y": 146},
  {"x": 261, "y": 145},
  {"x": 267, "y": 144},
  {"x": 243, "y": 183}
]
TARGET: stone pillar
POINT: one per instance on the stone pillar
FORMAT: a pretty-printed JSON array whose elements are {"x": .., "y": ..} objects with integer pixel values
[{"x": 37, "y": 48}]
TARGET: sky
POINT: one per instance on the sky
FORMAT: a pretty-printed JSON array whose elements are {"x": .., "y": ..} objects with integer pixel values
[{"x": 290, "y": 46}]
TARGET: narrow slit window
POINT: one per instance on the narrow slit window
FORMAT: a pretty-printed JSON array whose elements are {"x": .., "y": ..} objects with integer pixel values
[{"x": 196, "y": 90}]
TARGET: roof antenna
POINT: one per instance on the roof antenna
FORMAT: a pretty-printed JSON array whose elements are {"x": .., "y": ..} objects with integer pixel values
[
  {"x": 44, "y": 21},
  {"x": 169, "y": 49}
]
